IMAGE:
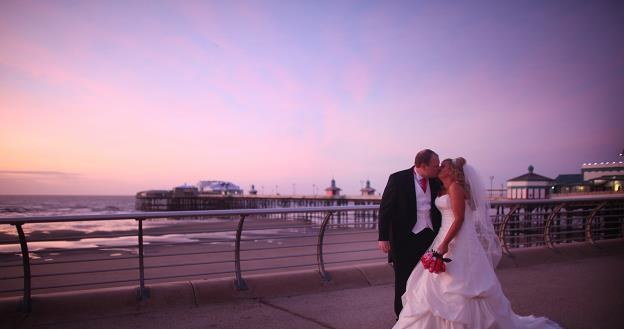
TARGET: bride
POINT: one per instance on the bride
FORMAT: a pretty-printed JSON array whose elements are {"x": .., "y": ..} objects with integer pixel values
[{"x": 468, "y": 295}]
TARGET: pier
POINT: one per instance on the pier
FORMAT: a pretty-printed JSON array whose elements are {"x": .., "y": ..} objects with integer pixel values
[
  {"x": 163, "y": 201},
  {"x": 167, "y": 201}
]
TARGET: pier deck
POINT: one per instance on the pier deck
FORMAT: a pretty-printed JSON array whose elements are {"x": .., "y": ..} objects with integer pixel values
[{"x": 168, "y": 202}]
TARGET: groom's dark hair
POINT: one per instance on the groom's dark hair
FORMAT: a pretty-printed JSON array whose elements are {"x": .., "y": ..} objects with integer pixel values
[{"x": 423, "y": 157}]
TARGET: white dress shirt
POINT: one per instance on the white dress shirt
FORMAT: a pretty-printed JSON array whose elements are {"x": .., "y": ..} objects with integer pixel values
[{"x": 423, "y": 205}]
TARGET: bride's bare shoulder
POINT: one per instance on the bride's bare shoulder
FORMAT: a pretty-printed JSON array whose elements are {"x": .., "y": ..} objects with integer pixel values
[{"x": 456, "y": 190}]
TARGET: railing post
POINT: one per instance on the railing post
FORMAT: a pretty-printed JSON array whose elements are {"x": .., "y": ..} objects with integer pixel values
[
  {"x": 319, "y": 249},
  {"x": 143, "y": 293},
  {"x": 551, "y": 218},
  {"x": 239, "y": 282},
  {"x": 501, "y": 232},
  {"x": 589, "y": 236},
  {"x": 26, "y": 302}
]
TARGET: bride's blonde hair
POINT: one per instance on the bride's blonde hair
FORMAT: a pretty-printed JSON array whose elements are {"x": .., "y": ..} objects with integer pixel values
[{"x": 457, "y": 170}]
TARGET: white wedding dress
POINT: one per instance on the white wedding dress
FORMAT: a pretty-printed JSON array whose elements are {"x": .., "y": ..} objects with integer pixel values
[{"x": 468, "y": 295}]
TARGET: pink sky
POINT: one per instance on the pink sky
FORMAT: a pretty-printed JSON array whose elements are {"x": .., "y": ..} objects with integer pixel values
[{"x": 102, "y": 97}]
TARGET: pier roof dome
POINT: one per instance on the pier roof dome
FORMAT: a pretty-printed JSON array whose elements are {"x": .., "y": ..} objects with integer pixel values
[
  {"x": 368, "y": 190},
  {"x": 333, "y": 190},
  {"x": 531, "y": 177}
]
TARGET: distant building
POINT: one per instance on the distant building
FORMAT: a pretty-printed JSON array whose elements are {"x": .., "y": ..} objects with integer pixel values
[
  {"x": 529, "y": 186},
  {"x": 594, "y": 177},
  {"x": 368, "y": 190},
  {"x": 185, "y": 191},
  {"x": 603, "y": 176},
  {"x": 219, "y": 187},
  {"x": 333, "y": 190},
  {"x": 569, "y": 183},
  {"x": 154, "y": 194},
  {"x": 253, "y": 190}
]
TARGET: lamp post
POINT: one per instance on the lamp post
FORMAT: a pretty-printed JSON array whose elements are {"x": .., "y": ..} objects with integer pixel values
[{"x": 491, "y": 184}]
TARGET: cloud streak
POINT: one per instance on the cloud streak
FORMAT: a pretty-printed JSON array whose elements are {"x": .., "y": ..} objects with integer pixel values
[{"x": 37, "y": 173}]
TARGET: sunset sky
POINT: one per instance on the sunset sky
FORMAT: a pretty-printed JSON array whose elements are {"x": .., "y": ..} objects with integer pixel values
[{"x": 114, "y": 97}]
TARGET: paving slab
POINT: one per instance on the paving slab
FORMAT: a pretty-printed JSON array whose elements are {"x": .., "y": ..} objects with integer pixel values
[
  {"x": 242, "y": 314},
  {"x": 578, "y": 293},
  {"x": 578, "y": 286},
  {"x": 369, "y": 307}
]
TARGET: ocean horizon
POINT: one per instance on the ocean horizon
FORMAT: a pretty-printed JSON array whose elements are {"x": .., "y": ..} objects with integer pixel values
[{"x": 54, "y": 205}]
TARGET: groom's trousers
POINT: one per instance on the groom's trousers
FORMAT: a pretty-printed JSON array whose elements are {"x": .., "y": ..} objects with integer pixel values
[{"x": 405, "y": 258}]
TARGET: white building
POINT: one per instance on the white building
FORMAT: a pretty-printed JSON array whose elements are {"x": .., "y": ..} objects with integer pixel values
[
  {"x": 219, "y": 187},
  {"x": 529, "y": 186},
  {"x": 185, "y": 191},
  {"x": 604, "y": 176}
]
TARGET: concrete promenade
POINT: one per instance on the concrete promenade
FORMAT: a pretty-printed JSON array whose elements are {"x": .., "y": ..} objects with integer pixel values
[{"x": 577, "y": 285}]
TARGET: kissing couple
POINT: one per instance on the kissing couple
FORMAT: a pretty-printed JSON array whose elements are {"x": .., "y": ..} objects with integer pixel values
[{"x": 443, "y": 207}]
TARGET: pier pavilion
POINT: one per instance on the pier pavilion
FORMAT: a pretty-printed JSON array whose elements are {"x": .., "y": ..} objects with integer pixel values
[
  {"x": 368, "y": 190},
  {"x": 529, "y": 186},
  {"x": 333, "y": 190}
]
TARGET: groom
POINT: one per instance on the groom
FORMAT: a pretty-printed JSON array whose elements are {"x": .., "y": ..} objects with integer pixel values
[{"x": 408, "y": 218}]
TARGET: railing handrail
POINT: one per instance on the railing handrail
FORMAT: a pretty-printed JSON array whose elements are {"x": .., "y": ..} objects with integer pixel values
[
  {"x": 602, "y": 197},
  {"x": 178, "y": 214}
]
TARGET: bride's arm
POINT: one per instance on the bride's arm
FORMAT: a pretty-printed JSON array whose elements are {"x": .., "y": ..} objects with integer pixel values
[{"x": 458, "y": 205}]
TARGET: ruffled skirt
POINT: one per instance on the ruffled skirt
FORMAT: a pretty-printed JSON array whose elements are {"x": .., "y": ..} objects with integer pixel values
[{"x": 467, "y": 296}]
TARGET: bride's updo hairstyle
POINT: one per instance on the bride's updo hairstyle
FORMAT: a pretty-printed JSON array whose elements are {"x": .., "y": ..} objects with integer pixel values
[{"x": 457, "y": 166}]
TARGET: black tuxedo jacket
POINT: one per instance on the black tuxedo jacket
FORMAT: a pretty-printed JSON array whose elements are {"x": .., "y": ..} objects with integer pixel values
[{"x": 397, "y": 212}]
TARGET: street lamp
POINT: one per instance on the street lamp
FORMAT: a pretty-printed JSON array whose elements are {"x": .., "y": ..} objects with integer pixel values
[{"x": 491, "y": 183}]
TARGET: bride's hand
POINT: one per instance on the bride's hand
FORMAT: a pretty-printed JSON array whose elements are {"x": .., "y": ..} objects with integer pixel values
[{"x": 442, "y": 249}]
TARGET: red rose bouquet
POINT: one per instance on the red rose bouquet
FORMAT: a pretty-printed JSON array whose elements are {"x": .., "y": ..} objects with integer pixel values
[{"x": 434, "y": 262}]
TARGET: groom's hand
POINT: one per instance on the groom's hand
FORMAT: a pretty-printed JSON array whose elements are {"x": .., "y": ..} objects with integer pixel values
[{"x": 384, "y": 246}]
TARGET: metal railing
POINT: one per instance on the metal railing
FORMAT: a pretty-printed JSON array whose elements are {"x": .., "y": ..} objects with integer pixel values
[
  {"x": 548, "y": 222},
  {"x": 272, "y": 240},
  {"x": 174, "y": 259}
]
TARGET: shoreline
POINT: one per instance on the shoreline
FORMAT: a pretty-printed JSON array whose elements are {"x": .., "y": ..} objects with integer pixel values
[{"x": 151, "y": 227}]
